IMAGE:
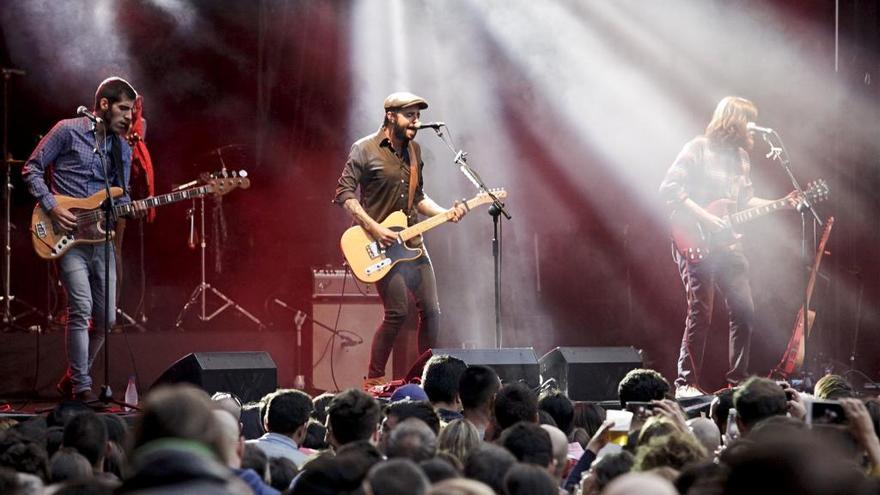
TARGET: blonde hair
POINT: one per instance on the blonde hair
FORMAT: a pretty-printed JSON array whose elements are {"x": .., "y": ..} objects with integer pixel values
[
  {"x": 458, "y": 438},
  {"x": 728, "y": 124}
]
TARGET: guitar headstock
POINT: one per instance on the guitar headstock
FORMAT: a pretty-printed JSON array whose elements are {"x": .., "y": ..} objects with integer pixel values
[
  {"x": 817, "y": 191},
  {"x": 222, "y": 185}
]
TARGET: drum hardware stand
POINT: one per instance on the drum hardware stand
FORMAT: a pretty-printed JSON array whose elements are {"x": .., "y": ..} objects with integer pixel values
[
  {"x": 7, "y": 298},
  {"x": 200, "y": 292}
]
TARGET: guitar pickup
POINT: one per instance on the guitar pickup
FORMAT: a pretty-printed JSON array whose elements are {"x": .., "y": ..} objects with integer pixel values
[
  {"x": 378, "y": 266},
  {"x": 40, "y": 230},
  {"x": 374, "y": 250}
]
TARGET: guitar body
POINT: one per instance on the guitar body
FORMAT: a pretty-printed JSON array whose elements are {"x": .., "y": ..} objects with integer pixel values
[
  {"x": 51, "y": 242},
  {"x": 369, "y": 261},
  {"x": 693, "y": 241}
]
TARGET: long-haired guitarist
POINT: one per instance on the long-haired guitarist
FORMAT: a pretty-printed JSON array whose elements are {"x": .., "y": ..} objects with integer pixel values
[
  {"x": 387, "y": 168},
  {"x": 712, "y": 171},
  {"x": 67, "y": 154}
]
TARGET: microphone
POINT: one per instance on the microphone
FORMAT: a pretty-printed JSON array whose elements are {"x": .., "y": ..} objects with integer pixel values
[
  {"x": 756, "y": 128},
  {"x": 431, "y": 125},
  {"x": 85, "y": 112}
]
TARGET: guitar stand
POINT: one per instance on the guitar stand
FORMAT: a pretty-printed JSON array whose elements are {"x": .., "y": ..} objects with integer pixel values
[{"x": 201, "y": 291}]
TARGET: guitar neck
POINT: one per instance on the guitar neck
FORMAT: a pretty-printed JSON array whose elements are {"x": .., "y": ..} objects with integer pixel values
[
  {"x": 750, "y": 214},
  {"x": 164, "y": 199},
  {"x": 438, "y": 219}
]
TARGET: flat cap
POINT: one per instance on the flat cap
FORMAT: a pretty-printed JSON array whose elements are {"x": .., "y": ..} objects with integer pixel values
[{"x": 404, "y": 99}]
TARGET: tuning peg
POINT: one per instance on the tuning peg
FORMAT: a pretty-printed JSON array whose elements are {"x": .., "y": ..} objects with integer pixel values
[{"x": 242, "y": 173}]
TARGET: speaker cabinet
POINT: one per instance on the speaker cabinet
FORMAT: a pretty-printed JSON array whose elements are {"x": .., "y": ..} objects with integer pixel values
[
  {"x": 589, "y": 373},
  {"x": 249, "y": 375},
  {"x": 511, "y": 364}
]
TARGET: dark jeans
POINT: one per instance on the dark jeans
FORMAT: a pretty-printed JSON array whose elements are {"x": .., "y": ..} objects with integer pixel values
[
  {"x": 408, "y": 277},
  {"x": 729, "y": 272}
]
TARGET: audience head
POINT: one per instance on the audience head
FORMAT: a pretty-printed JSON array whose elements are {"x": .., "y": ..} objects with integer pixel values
[
  {"x": 342, "y": 473},
  {"x": 287, "y": 413},
  {"x": 833, "y": 387},
  {"x": 410, "y": 392},
  {"x": 255, "y": 458},
  {"x": 559, "y": 442},
  {"x": 642, "y": 385},
  {"x": 489, "y": 464},
  {"x": 412, "y": 439},
  {"x": 606, "y": 469},
  {"x": 87, "y": 433},
  {"x": 282, "y": 471},
  {"x": 316, "y": 436},
  {"x": 528, "y": 479},
  {"x": 560, "y": 408},
  {"x": 396, "y": 476},
  {"x": 179, "y": 411},
  {"x": 320, "y": 403},
  {"x": 23, "y": 454},
  {"x": 439, "y": 469},
  {"x": 477, "y": 388},
  {"x": 228, "y": 402},
  {"x": 404, "y": 409},
  {"x": 706, "y": 432},
  {"x": 641, "y": 483},
  {"x": 757, "y": 399},
  {"x": 461, "y": 486},
  {"x": 459, "y": 438},
  {"x": 68, "y": 464},
  {"x": 655, "y": 426},
  {"x": 529, "y": 443},
  {"x": 351, "y": 416},
  {"x": 440, "y": 379},
  {"x": 675, "y": 450},
  {"x": 515, "y": 402},
  {"x": 228, "y": 438}
]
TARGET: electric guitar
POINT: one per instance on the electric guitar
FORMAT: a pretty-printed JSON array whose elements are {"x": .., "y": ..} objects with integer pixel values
[
  {"x": 695, "y": 242},
  {"x": 51, "y": 241},
  {"x": 370, "y": 262}
]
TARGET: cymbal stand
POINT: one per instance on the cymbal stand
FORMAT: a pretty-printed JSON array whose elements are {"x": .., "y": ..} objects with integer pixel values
[
  {"x": 200, "y": 292},
  {"x": 9, "y": 318}
]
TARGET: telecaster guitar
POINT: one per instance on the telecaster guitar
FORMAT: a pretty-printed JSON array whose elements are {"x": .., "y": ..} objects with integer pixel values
[
  {"x": 51, "y": 241},
  {"x": 695, "y": 243},
  {"x": 370, "y": 262}
]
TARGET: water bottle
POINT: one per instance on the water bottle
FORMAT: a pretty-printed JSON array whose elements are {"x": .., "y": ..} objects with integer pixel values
[
  {"x": 299, "y": 382},
  {"x": 732, "y": 432},
  {"x": 131, "y": 393}
]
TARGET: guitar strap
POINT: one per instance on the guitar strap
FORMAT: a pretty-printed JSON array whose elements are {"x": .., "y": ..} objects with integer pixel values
[{"x": 413, "y": 177}]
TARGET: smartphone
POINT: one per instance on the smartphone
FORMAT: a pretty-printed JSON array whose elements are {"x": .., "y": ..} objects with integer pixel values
[
  {"x": 825, "y": 412},
  {"x": 785, "y": 385}
]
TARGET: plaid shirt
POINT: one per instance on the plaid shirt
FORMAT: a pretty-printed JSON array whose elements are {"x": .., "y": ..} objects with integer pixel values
[
  {"x": 76, "y": 169},
  {"x": 705, "y": 173}
]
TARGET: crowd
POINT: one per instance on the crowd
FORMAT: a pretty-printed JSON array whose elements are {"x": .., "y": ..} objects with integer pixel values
[{"x": 460, "y": 432}]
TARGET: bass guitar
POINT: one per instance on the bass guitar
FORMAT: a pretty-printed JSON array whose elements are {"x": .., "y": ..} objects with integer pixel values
[
  {"x": 51, "y": 241},
  {"x": 370, "y": 262},
  {"x": 695, "y": 242}
]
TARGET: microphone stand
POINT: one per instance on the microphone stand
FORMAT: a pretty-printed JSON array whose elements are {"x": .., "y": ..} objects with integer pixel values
[
  {"x": 496, "y": 210},
  {"x": 779, "y": 153},
  {"x": 106, "y": 395}
]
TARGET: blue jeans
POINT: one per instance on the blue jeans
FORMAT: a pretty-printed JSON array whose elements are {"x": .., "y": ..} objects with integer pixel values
[{"x": 82, "y": 274}]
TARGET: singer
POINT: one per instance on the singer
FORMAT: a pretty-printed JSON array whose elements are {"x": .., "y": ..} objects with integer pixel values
[
  {"x": 77, "y": 172},
  {"x": 712, "y": 167},
  {"x": 387, "y": 168}
]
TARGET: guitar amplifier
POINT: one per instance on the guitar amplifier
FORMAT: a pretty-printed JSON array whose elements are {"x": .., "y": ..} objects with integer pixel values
[{"x": 328, "y": 282}]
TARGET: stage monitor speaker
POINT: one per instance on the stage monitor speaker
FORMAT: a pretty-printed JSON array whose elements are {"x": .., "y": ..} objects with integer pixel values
[
  {"x": 249, "y": 375},
  {"x": 511, "y": 364},
  {"x": 589, "y": 373}
]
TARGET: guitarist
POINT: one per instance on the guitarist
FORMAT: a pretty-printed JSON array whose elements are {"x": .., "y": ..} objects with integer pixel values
[
  {"x": 387, "y": 167},
  {"x": 67, "y": 153},
  {"x": 711, "y": 167}
]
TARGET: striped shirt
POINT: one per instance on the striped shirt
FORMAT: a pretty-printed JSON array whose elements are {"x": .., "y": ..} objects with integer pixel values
[
  {"x": 705, "y": 173},
  {"x": 69, "y": 150}
]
